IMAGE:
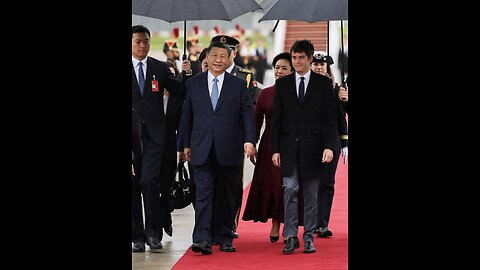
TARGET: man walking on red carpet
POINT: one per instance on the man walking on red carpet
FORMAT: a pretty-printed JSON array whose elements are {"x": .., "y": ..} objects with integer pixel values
[
  {"x": 303, "y": 136},
  {"x": 216, "y": 110}
]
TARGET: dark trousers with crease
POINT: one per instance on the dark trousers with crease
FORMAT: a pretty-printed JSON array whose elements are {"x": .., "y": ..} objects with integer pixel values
[
  {"x": 147, "y": 184},
  {"x": 326, "y": 190},
  {"x": 211, "y": 180}
]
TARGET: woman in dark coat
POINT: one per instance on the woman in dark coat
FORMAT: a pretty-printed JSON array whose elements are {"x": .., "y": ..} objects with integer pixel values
[{"x": 265, "y": 198}]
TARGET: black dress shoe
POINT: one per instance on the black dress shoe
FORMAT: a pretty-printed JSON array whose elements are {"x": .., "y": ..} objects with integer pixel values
[
  {"x": 274, "y": 239},
  {"x": 138, "y": 247},
  {"x": 234, "y": 234},
  {"x": 155, "y": 244},
  {"x": 202, "y": 246},
  {"x": 292, "y": 244},
  {"x": 324, "y": 232},
  {"x": 227, "y": 247},
  {"x": 169, "y": 230},
  {"x": 309, "y": 247}
]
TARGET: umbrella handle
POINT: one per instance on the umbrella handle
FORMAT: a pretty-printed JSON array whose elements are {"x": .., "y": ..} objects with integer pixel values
[
  {"x": 275, "y": 27},
  {"x": 184, "y": 57},
  {"x": 343, "y": 54}
]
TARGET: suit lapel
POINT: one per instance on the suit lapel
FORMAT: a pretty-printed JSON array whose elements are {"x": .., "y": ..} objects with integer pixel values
[
  {"x": 292, "y": 88},
  {"x": 204, "y": 93},
  {"x": 310, "y": 87},
  {"x": 221, "y": 98},
  {"x": 135, "y": 82},
  {"x": 149, "y": 76}
]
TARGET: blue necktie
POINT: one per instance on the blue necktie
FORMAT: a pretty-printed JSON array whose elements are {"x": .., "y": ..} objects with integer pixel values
[
  {"x": 301, "y": 90},
  {"x": 214, "y": 96},
  {"x": 141, "y": 78}
]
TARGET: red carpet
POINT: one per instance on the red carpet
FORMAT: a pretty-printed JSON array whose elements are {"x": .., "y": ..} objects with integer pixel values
[{"x": 255, "y": 251}]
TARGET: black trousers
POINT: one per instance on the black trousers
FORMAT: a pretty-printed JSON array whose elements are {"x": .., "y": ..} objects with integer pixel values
[
  {"x": 147, "y": 184},
  {"x": 214, "y": 182},
  {"x": 326, "y": 190}
]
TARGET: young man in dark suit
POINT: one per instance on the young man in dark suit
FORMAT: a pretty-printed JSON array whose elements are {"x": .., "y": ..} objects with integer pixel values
[
  {"x": 149, "y": 77},
  {"x": 215, "y": 110},
  {"x": 303, "y": 137}
]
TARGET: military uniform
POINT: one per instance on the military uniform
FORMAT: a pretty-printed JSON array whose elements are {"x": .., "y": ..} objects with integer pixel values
[
  {"x": 326, "y": 189},
  {"x": 248, "y": 76},
  {"x": 195, "y": 64}
]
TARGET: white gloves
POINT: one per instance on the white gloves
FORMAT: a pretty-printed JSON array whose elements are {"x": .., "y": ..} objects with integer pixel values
[{"x": 345, "y": 154}]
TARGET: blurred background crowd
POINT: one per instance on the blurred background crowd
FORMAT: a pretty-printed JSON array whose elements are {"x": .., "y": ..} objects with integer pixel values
[{"x": 258, "y": 43}]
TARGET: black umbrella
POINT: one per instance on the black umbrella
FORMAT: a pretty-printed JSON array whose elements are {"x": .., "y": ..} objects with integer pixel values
[
  {"x": 193, "y": 10},
  {"x": 305, "y": 11}
]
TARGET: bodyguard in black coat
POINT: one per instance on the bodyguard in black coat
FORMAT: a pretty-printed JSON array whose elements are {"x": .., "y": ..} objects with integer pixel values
[
  {"x": 136, "y": 139},
  {"x": 304, "y": 125},
  {"x": 149, "y": 77},
  {"x": 173, "y": 115}
]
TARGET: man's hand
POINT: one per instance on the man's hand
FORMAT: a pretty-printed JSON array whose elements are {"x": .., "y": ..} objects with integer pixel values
[
  {"x": 327, "y": 156},
  {"x": 187, "y": 153},
  {"x": 343, "y": 93},
  {"x": 249, "y": 149},
  {"x": 133, "y": 171},
  {"x": 181, "y": 156},
  {"x": 276, "y": 159},
  {"x": 186, "y": 66}
]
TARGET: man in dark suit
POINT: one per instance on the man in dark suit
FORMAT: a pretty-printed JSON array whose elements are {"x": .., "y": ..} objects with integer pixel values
[
  {"x": 149, "y": 77},
  {"x": 215, "y": 109},
  {"x": 253, "y": 91},
  {"x": 136, "y": 139},
  {"x": 173, "y": 113},
  {"x": 303, "y": 136}
]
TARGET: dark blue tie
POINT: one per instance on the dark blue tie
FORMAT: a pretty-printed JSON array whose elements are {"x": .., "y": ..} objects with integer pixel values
[
  {"x": 301, "y": 90},
  {"x": 214, "y": 96},
  {"x": 141, "y": 78}
]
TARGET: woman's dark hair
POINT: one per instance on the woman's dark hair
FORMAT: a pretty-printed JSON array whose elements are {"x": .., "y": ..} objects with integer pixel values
[
  {"x": 284, "y": 55},
  {"x": 202, "y": 56}
]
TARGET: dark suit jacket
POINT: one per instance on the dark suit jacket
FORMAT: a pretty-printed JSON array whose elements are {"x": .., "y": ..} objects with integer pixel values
[
  {"x": 204, "y": 126},
  {"x": 304, "y": 129},
  {"x": 173, "y": 116},
  {"x": 136, "y": 138},
  {"x": 150, "y": 106}
]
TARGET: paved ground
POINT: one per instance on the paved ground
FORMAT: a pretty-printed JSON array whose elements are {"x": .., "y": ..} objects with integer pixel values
[{"x": 174, "y": 247}]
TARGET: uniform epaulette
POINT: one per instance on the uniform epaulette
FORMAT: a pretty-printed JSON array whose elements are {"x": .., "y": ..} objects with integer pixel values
[{"x": 245, "y": 70}]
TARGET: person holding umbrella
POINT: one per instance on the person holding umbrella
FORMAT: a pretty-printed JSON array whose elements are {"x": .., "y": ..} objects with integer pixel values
[{"x": 321, "y": 64}]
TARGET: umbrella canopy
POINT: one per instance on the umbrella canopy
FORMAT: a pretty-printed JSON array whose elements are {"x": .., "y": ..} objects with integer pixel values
[
  {"x": 305, "y": 10},
  {"x": 193, "y": 10}
]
